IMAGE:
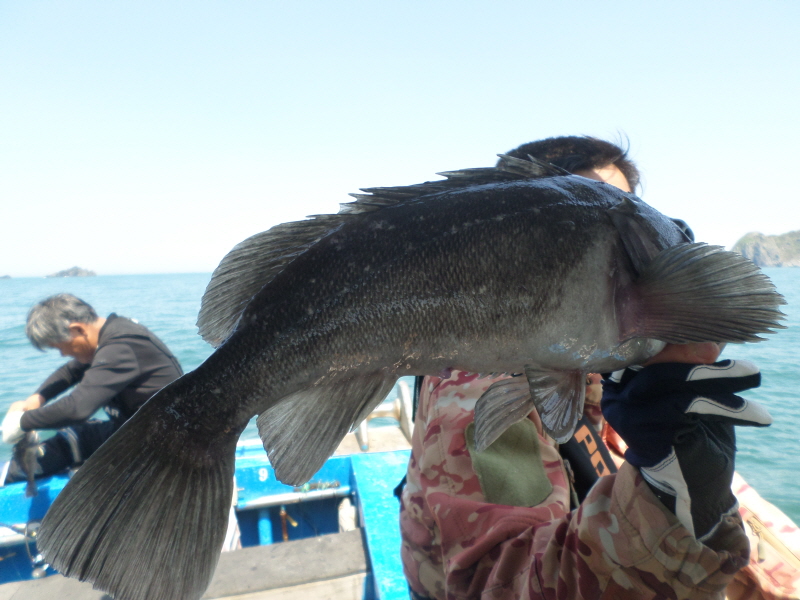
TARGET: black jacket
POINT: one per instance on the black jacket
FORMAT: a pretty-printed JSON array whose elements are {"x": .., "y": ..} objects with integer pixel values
[{"x": 130, "y": 365}]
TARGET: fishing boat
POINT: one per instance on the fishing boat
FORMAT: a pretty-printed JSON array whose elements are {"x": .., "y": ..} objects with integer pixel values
[
  {"x": 336, "y": 537},
  {"x": 333, "y": 537}
]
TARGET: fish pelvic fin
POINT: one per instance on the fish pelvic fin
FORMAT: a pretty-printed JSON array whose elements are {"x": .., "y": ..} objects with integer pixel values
[
  {"x": 503, "y": 404},
  {"x": 303, "y": 429},
  {"x": 145, "y": 517},
  {"x": 700, "y": 293},
  {"x": 558, "y": 397}
]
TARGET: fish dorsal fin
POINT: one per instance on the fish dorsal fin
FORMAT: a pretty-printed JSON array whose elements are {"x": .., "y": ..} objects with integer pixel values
[
  {"x": 257, "y": 260},
  {"x": 529, "y": 169},
  {"x": 507, "y": 169},
  {"x": 304, "y": 428},
  {"x": 558, "y": 396}
]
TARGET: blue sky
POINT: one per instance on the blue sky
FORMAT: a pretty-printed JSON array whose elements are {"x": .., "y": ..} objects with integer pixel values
[{"x": 153, "y": 136}]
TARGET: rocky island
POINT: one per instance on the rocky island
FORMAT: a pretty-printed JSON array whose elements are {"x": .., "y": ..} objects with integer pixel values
[
  {"x": 73, "y": 272},
  {"x": 770, "y": 250}
]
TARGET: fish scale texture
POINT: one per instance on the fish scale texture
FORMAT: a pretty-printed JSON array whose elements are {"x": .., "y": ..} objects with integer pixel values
[{"x": 453, "y": 270}]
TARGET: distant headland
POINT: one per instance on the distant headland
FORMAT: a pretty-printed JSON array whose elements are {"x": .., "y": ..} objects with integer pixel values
[
  {"x": 770, "y": 250},
  {"x": 73, "y": 272}
]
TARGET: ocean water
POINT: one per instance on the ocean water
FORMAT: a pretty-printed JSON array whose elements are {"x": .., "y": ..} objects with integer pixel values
[{"x": 168, "y": 305}]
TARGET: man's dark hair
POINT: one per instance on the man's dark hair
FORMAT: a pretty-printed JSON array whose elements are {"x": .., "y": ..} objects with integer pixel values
[{"x": 579, "y": 153}]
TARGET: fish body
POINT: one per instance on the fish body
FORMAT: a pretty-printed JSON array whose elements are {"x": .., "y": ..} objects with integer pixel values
[{"x": 520, "y": 269}]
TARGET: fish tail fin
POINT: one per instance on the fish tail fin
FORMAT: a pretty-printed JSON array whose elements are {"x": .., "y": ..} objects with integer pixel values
[
  {"x": 145, "y": 517},
  {"x": 701, "y": 293}
]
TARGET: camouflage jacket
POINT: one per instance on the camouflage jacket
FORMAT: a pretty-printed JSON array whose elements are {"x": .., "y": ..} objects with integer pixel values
[{"x": 619, "y": 543}]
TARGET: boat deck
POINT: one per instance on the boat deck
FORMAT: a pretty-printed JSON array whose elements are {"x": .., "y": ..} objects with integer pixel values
[{"x": 330, "y": 566}]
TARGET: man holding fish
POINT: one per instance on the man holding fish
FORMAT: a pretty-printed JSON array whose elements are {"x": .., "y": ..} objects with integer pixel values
[{"x": 502, "y": 520}]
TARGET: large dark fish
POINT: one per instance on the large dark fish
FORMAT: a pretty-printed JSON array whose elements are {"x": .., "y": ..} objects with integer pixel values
[{"x": 518, "y": 269}]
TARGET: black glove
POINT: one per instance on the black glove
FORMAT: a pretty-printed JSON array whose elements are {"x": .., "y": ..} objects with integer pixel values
[{"x": 677, "y": 420}]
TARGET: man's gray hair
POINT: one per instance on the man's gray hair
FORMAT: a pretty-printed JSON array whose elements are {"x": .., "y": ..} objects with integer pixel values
[{"x": 49, "y": 320}]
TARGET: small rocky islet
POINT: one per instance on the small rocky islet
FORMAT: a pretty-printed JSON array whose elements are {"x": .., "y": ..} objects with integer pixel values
[
  {"x": 770, "y": 250},
  {"x": 73, "y": 272}
]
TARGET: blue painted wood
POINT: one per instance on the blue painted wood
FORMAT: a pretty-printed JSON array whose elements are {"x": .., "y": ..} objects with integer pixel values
[
  {"x": 264, "y": 527},
  {"x": 16, "y": 508},
  {"x": 255, "y": 477},
  {"x": 371, "y": 477},
  {"x": 376, "y": 475}
]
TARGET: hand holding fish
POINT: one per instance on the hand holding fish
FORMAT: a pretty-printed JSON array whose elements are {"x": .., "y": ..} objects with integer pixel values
[
  {"x": 12, "y": 432},
  {"x": 32, "y": 402},
  {"x": 677, "y": 418}
]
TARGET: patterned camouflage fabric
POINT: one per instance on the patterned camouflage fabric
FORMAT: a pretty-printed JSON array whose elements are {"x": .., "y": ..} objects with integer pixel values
[
  {"x": 774, "y": 569},
  {"x": 620, "y": 543}
]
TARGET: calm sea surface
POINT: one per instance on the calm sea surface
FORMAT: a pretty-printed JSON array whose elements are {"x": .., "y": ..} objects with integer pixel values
[{"x": 168, "y": 304}]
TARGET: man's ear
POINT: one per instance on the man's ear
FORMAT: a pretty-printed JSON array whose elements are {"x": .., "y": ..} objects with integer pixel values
[{"x": 77, "y": 330}]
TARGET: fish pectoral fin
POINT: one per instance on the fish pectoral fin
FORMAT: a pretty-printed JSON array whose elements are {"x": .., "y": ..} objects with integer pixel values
[
  {"x": 558, "y": 397},
  {"x": 700, "y": 293},
  {"x": 503, "y": 404},
  {"x": 303, "y": 429}
]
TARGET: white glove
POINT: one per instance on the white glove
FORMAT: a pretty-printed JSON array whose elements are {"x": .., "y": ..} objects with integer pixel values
[{"x": 12, "y": 432}]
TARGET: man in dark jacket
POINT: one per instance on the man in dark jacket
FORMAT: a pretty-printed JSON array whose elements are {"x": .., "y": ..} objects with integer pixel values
[{"x": 116, "y": 365}]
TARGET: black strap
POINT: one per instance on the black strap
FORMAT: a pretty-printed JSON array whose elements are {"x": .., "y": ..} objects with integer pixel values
[
  {"x": 415, "y": 398},
  {"x": 398, "y": 490},
  {"x": 588, "y": 457}
]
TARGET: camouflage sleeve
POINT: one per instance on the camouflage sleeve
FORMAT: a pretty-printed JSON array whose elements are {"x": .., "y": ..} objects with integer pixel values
[{"x": 621, "y": 542}]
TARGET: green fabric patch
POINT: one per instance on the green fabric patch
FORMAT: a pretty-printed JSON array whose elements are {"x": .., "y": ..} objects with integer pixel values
[{"x": 511, "y": 470}]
